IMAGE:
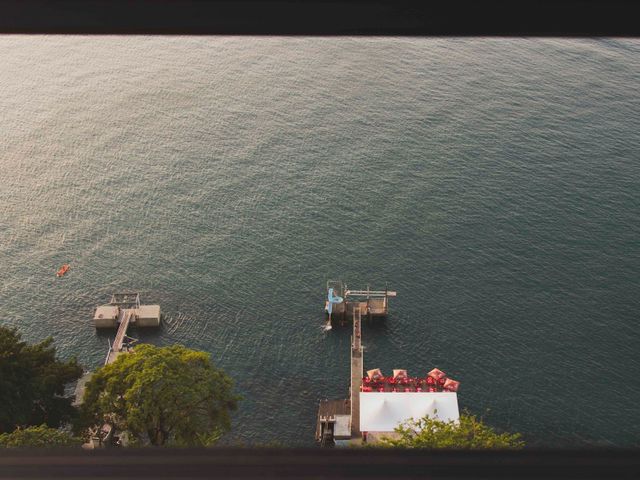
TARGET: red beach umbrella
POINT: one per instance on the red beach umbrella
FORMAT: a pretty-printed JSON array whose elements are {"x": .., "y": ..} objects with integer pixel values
[
  {"x": 398, "y": 374},
  {"x": 437, "y": 374},
  {"x": 451, "y": 385}
]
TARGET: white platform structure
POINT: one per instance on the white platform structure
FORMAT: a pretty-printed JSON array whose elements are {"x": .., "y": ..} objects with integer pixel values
[{"x": 384, "y": 411}]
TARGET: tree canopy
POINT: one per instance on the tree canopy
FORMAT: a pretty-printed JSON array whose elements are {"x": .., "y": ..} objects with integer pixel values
[
  {"x": 469, "y": 433},
  {"x": 40, "y": 436},
  {"x": 162, "y": 396},
  {"x": 32, "y": 383}
]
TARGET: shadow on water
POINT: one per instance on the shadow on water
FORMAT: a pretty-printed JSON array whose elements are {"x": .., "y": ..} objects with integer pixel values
[
  {"x": 105, "y": 334},
  {"x": 374, "y": 326},
  {"x": 148, "y": 335}
]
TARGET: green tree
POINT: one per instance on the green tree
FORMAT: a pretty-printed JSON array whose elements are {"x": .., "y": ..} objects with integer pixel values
[
  {"x": 40, "y": 436},
  {"x": 469, "y": 433},
  {"x": 32, "y": 383},
  {"x": 161, "y": 396}
]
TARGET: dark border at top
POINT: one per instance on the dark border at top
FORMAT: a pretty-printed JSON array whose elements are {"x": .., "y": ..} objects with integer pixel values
[{"x": 576, "y": 18}]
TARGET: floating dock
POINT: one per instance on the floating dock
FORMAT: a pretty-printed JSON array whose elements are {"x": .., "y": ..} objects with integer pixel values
[
  {"x": 123, "y": 310},
  {"x": 371, "y": 303}
]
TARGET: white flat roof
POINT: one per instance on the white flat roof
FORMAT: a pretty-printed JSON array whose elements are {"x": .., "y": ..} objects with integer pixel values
[
  {"x": 149, "y": 311},
  {"x": 384, "y": 411},
  {"x": 342, "y": 428},
  {"x": 106, "y": 311}
]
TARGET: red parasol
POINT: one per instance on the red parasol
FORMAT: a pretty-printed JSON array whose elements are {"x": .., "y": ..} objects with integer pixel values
[
  {"x": 451, "y": 385},
  {"x": 437, "y": 374},
  {"x": 400, "y": 374}
]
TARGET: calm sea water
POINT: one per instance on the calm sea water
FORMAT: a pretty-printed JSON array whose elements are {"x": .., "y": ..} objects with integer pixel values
[{"x": 494, "y": 183}]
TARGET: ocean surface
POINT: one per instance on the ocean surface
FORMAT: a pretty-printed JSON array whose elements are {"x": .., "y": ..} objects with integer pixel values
[{"x": 493, "y": 183}]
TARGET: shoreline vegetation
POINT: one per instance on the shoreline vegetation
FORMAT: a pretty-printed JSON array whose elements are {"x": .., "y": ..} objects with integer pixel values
[
  {"x": 162, "y": 396},
  {"x": 469, "y": 433},
  {"x": 32, "y": 383}
]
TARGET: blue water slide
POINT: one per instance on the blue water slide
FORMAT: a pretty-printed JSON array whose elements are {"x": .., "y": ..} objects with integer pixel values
[{"x": 332, "y": 299}]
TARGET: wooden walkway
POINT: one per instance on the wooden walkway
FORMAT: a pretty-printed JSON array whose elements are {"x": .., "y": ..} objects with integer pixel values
[
  {"x": 357, "y": 371},
  {"x": 124, "y": 319}
]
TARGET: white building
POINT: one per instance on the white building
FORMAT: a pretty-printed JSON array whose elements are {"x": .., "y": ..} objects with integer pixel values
[{"x": 382, "y": 412}]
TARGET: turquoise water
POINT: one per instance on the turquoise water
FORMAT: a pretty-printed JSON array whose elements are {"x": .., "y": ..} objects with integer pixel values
[{"x": 494, "y": 183}]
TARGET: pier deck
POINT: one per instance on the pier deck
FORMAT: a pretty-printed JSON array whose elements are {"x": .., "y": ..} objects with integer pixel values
[
  {"x": 328, "y": 412},
  {"x": 357, "y": 371},
  {"x": 372, "y": 303}
]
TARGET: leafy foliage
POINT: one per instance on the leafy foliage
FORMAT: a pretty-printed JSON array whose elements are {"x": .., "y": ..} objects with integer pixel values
[
  {"x": 469, "y": 433},
  {"x": 40, "y": 436},
  {"x": 32, "y": 383},
  {"x": 160, "y": 396}
]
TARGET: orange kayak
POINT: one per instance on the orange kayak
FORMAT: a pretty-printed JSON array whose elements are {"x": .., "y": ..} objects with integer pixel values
[{"x": 63, "y": 269}]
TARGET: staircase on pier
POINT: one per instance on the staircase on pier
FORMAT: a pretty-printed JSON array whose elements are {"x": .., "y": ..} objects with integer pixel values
[{"x": 118, "y": 345}]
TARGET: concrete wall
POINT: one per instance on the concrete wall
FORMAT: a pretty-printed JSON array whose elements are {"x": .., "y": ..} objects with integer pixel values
[
  {"x": 148, "y": 316},
  {"x": 106, "y": 316}
]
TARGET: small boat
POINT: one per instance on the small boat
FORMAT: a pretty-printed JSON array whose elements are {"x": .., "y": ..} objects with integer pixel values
[{"x": 63, "y": 269}]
